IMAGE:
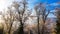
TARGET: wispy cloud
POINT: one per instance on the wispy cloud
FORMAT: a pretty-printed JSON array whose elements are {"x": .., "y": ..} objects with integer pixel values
[{"x": 53, "y": 4}]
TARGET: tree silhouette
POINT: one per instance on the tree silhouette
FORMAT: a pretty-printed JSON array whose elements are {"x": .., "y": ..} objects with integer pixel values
[
  {"x": 41, "y": 14},
  {"x": 58, "y": 20}
]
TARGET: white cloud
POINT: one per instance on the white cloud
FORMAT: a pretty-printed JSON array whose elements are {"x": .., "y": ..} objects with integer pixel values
[
  {"x": 51, "y": 14},
  {"x": 4, "y": 4},
  {"x": 53, "y": 4}
]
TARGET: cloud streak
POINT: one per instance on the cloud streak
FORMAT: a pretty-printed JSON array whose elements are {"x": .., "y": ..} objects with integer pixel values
[{"x": 54, "y": 4}]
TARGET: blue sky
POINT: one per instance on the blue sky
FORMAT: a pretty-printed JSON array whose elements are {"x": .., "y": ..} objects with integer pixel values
[
  {"x": 32, "y": 3},
  {"x": 52, "y": 3}
]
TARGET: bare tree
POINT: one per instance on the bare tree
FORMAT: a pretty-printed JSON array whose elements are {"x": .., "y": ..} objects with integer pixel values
[
  {"x": 22, "y": 12},
  {"x": 1, "y": 28},
  {"x": 41, "y": 14},
  {"x": 9, "y": 18},
  {"x": 58, "y": 20}
]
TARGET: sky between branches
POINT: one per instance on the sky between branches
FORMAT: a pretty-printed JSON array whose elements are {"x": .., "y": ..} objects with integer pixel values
[{"x": 52, "y": 3}]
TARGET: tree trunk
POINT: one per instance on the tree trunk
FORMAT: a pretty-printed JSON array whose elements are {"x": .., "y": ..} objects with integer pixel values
[{"x": 38, "y": 25}]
